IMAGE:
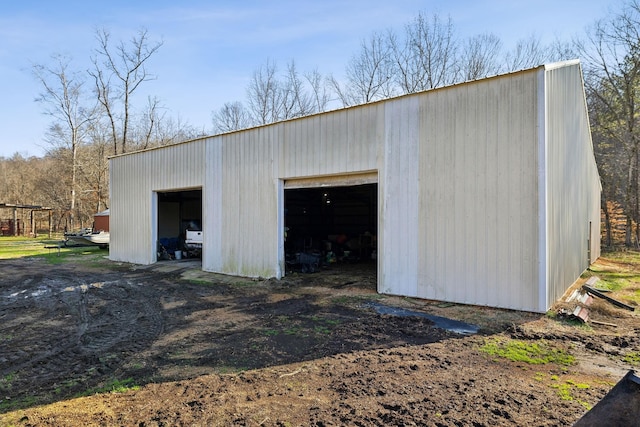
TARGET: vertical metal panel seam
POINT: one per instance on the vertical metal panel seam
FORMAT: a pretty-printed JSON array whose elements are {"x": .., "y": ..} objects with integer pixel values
[{"x": 543, "y": 264}]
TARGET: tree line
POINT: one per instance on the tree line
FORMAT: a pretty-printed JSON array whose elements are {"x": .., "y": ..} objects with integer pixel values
[{"x": 94, "y": 116}]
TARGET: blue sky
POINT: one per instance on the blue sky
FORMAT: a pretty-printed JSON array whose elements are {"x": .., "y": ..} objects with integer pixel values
[{"x": 211, "y": 48}]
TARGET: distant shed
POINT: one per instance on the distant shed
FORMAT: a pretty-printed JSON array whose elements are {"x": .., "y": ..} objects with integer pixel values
[
  {"x": 101, "y": 221},
  {"x": 483, "y": 193}
]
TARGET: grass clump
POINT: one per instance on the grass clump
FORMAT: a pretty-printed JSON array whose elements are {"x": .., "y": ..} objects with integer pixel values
[
  {"x": 565, "y": 390},
  {"x": 53, "y": 251},
  {"x": 632, "y": 358},
  {"x": 533, "y": 353},
  {"x": 114, "y": 386}
]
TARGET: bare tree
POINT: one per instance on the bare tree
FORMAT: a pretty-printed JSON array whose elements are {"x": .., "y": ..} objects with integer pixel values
[
  {"x": 296, "y": 102},
  {"x": 95, "y": 173},
  {"x": 428, "y": 57},
  {"x": 611, "y": 60},
  {"x": 270, "y": 98},
  {"x": 479, "y": 57},
  {"x": 369, "y": 73},
  {"x": 562, "y": 50},
  {"x": 231, "y": 116},
  {"x": 168, "y": 130},
  {"x": 264, "y": 95},
  {"x": 320, "y": 93},
  {"x": 16, "y": 175},
  {"x": 118, "y": 72},
  {"x": 527, "y": 53},
  {"x": 150, "y": 120},
  {"x": 64, "y": 100}
]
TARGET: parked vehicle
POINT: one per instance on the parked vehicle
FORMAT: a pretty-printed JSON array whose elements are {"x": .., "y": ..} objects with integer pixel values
[{"x": 87, "y": 236}]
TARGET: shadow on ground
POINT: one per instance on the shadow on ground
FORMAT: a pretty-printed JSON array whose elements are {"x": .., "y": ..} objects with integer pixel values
[{"x": 68, "y": 330}]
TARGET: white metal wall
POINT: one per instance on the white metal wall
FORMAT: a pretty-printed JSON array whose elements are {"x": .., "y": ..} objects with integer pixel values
[
  {"x": 134, "y": 179},
  {"x": 246, "y": 171},
  {"x": 241, "y": 204},
  {"x": 477, "y": 193},
  {"x": 573, "y": 185},
  {"x": 458, "y": 188}
]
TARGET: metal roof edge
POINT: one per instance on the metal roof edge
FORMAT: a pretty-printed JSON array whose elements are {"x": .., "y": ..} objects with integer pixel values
[
  {"x": 560, "y": 64},
  {"x": 545, "y": 67}
]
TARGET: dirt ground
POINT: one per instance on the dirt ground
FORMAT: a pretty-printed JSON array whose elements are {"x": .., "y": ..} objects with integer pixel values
[{"x": 311, "y": 349}]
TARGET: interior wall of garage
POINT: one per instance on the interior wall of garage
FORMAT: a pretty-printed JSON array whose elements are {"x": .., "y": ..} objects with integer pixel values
[{"x": 168, "y": 219}]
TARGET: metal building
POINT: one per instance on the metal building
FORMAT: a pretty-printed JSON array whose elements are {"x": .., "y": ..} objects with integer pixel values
[{"x": 483, "y": 193}]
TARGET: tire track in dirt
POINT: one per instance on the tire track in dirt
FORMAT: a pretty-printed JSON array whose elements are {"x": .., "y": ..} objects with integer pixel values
[
  {"x": 89, "y": 329},
  {"x": 114, "y": 313}
]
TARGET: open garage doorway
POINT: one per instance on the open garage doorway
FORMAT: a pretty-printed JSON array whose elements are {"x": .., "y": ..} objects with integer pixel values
[
  {"x": 331, "y": 228},
  {"x": 178, "y": 212}
]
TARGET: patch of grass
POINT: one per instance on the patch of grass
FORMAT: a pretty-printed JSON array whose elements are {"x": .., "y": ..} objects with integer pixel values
[
  {"x": 304, "y": 326},
  {"x": 22, "y": 247},
  {"x": 582, "y": 386},
  {"x": 632, "y": 358},
  {"x": 66, "y": 385},
  {"x": 113, "y": 386},
  {"x": 7, "y": 381},
  {"x": 619, "y": 272},
  {"x": 626, "y": 257},
  {"x": 118, "y": 386},
  {"x": 19, "y": 247},
  {"x": 322, "y": 330},
  {"x": 295, "y": 330},
  {"x": 7, "y": 405},
  {"x": 615, "y": 281},
  {"x": 534, "y": 353},
  {"x": 565, "y": 391}
]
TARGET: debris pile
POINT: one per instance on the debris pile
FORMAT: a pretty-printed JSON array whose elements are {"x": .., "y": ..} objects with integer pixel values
[{"x": 582, "y": 298}]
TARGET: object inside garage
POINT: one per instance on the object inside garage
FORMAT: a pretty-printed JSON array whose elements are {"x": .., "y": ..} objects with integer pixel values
[
  {"x": 178, "y": 213},
  {"x": 330, "y": 227}
]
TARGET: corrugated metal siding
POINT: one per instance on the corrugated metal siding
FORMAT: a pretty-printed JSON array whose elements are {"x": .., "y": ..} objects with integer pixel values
[
  {"x": 249, "y": 196},
  {"x": 245, "y": 175},
  {"x": 398, "y": 245},
  {"x": 572, "y": 181},
  {"x": 477, "y": 193},
  {"x": 133, "y": 180},
  {"x": 458, "y": 175},
  {"x": 338, "y": 142},
  {"x": 212, "y": 206}
]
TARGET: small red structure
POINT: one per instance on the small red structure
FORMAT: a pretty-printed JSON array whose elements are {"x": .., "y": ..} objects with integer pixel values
[{"x": 101, "y": 221}]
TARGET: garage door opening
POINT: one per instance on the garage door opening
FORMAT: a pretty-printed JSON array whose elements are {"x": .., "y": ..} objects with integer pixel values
[
  {"x": 178, "y": 213},
  {"x": 331, "y": 228}
]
